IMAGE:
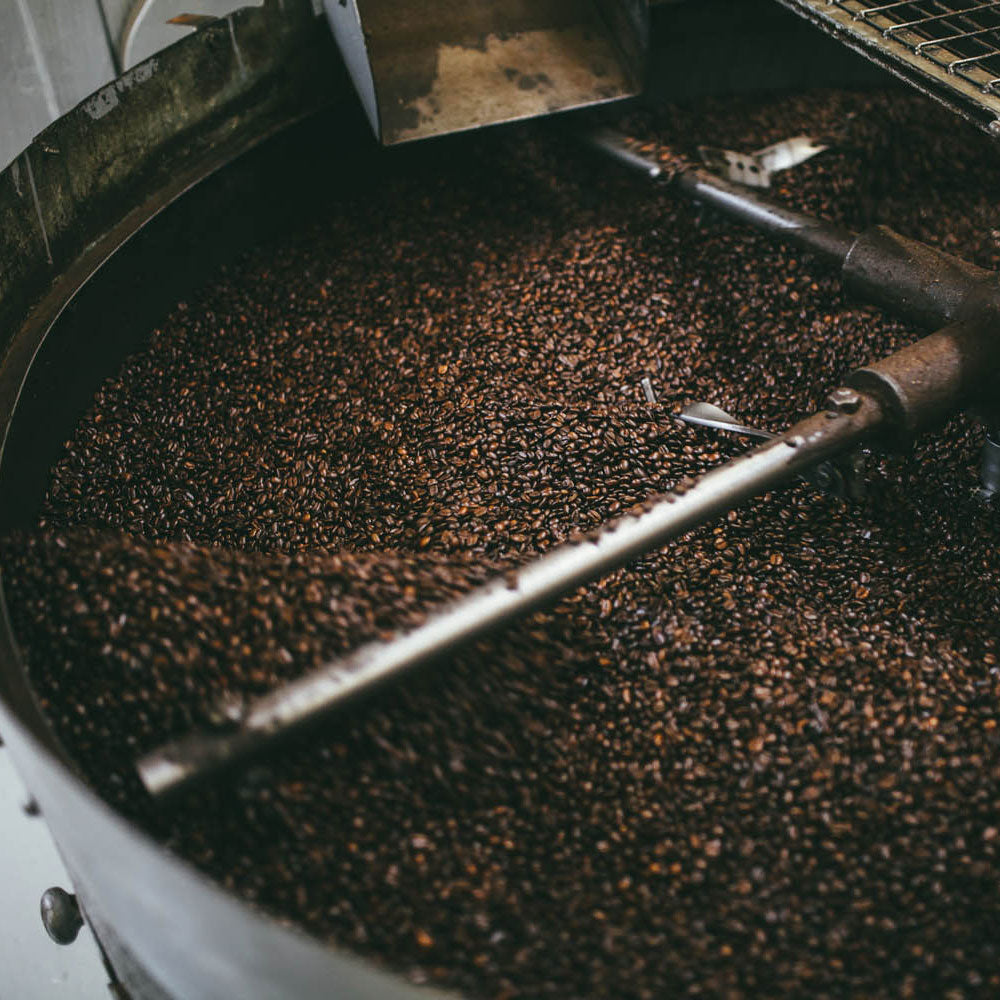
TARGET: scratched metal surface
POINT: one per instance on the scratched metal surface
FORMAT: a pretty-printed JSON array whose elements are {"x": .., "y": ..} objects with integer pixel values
[
  {"x": 427, "y": 68},
  {"x": 53, "y": 53}
]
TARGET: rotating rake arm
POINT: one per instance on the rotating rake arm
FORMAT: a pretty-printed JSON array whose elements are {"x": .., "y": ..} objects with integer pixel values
[{"x": 892, "y": 400}]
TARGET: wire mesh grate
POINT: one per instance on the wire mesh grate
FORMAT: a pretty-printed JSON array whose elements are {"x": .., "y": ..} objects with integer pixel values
[{"x": 961, "y": 37}]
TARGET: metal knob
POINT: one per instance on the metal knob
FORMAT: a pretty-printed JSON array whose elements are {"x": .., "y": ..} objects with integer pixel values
[{"x": 61, "y": 916}]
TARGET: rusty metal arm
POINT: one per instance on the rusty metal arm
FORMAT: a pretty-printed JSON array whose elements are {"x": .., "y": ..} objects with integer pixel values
[
  {"x": 295, "y": 706},
  {"x": 891, "y": 400}
]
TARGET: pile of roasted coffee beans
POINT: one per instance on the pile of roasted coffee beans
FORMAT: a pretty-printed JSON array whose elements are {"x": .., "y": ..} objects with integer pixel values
[{"x": 762, "y": 761}]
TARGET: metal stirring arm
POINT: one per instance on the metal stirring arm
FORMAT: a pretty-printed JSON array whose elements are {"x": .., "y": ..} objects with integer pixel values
[
  {"x": 895, "y": 398},
  {"x": 538, "y": 584}
]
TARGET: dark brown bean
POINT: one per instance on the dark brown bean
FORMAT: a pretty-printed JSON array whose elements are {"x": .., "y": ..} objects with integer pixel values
[{"x": 762, "y": 761}]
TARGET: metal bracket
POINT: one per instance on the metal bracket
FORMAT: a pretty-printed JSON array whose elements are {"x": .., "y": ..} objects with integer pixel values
[
  {"x": 842, "y": 477},
  {"x": 756, "y": 169}
]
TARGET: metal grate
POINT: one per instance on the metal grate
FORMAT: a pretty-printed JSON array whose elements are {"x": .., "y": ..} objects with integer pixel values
[
  {"x": 959, "y": 37},
  {"x": 948, "y": 48}
]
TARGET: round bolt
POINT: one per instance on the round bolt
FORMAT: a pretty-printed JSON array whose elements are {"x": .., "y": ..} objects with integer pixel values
[
  {"x": 843, "y": 400},
  {"x": 823, "y": 476},
  {"x": 994, "y": 128},
  {"x": 61, "y": 916}
]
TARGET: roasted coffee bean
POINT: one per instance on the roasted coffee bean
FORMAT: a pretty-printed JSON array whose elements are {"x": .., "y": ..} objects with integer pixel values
[{"x": 761, "y": 761}]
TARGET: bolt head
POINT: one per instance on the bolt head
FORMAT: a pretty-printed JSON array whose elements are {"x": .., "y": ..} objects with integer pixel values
[{"x": 844, "y": 400}]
